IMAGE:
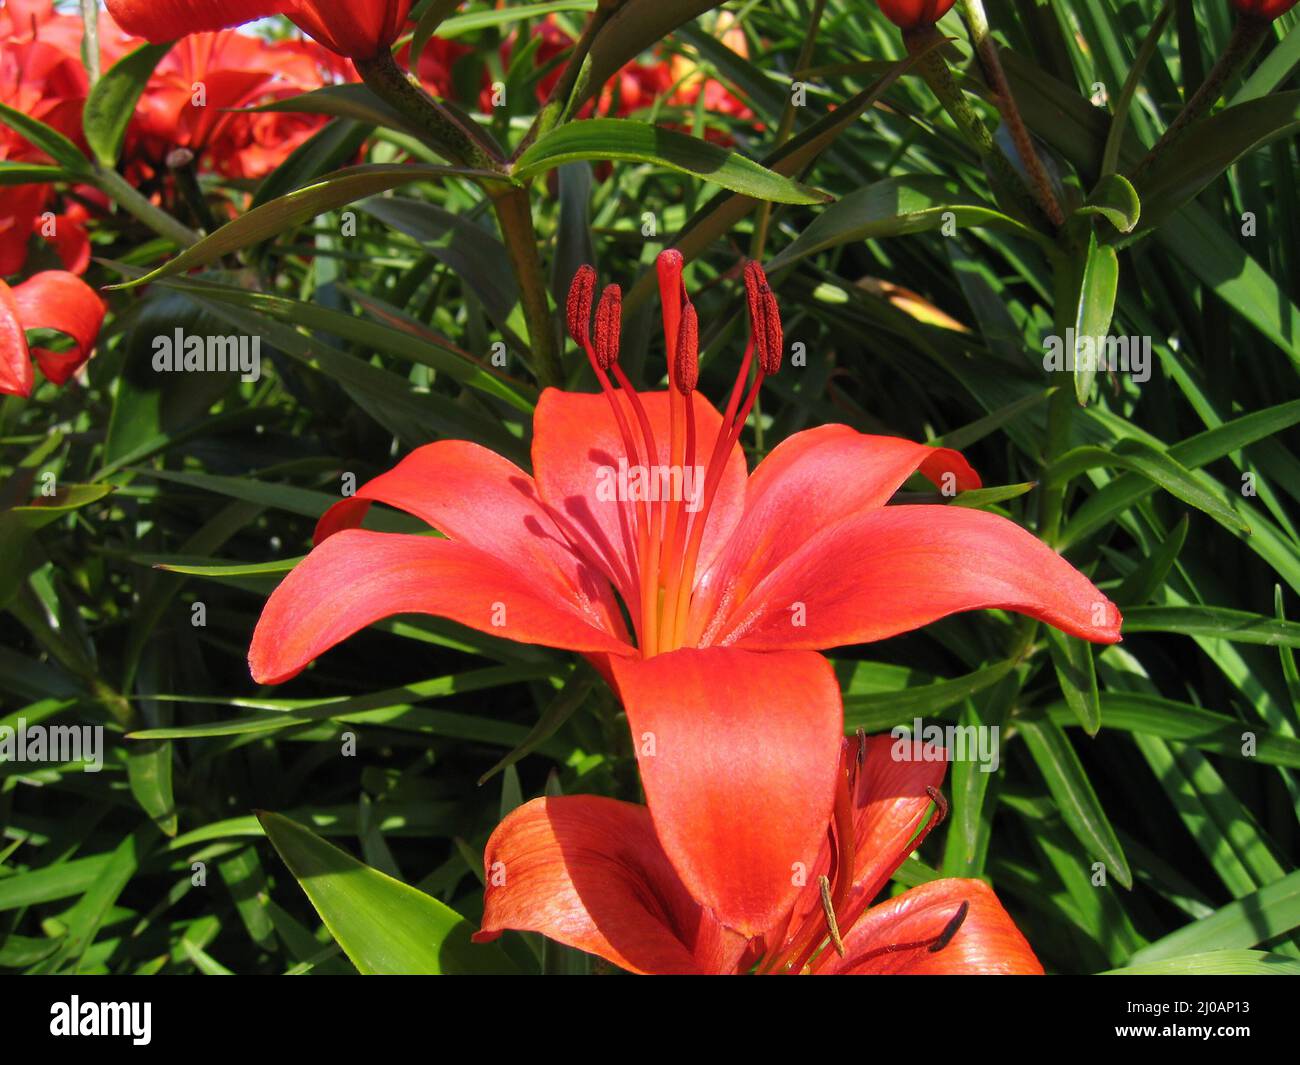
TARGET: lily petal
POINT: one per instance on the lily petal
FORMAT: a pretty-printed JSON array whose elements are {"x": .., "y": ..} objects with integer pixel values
[
  {"x": 906, "y": 935},
  {"x": 357, "y": 577},
  {"x": 889, "y": 782},
  {"x": 59, "y": 300},
  {"x": 809, "y": 482},
  {"x": 738, "y": 755},
  {"x": 166, "y": 20},
  {"x": 355, "y": 28},
  {"x": 471, "y": 494},
  {"x": 891, "y": 810},
  {"x": 895, "y": 569},
  {"x": 16, "y": 377},
  {"x": 590, "y": 873},
  {"x": 577, "y": 450}
]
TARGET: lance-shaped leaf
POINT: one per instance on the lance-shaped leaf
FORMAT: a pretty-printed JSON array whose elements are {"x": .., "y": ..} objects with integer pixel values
[
  {"x": 300, "y": 206},
  {"x": 895, "y": 207},
  {"x": 111, "y": 103},
  {"x": 641, "y": 142},
  {"x": 385, "y": 927}
]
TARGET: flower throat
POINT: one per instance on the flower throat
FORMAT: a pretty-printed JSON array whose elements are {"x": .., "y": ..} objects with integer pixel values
[{"x": 665, "y": 534}]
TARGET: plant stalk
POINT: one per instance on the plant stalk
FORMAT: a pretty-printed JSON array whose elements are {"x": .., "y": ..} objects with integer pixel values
[
  {"x": 1247, "y": 35},
  {"x": 986, "y": 49},
  {"x": 129, "y": 198},
  {"x": 938, "y": 76},
  {"x": 395, "y": 86}
]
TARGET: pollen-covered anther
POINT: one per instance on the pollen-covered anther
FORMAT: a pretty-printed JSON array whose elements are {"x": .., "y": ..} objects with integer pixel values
[
  {"x": 609, "y": 323},
  {"x": 688, "y": 351},
  {"x": 578, "y": 307},
  {"x": 764, "y": 319}
]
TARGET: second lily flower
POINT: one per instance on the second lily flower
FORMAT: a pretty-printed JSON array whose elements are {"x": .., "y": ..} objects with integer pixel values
[{"x": 736, "y": 720}]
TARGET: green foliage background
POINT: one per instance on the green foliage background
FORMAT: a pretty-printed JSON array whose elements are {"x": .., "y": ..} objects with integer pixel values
[{"x": 203, "y": 490}]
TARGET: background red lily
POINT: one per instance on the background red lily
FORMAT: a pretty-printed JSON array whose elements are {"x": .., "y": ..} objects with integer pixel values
[
  {"x": 590, "y": 873},
  {"x": 56, "y": 300},
  {"x": 357, "y": 29},
  {"x": 735, "y": 714}
]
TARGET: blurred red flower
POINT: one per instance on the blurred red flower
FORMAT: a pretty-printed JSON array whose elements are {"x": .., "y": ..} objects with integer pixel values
[
  {"x": 358, "y": 29},
  {"x": 1263, "y": 9},
  {"x": 912, "y": 14},
  {"x": 54, "y": 300},
  {"x": 42, "y": 75}
]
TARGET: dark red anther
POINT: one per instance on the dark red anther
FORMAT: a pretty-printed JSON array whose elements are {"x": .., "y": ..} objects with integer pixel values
[
  {"x": 764, "y": 319},
  {"x": 950, "y": 929},
  {"x": 688, "y": 350},
  {"x": 578, "y": 308},
  {"x": 609, "y": 322}
]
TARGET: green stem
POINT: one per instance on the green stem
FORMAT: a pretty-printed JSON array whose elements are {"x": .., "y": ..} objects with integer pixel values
[
  {"x": 511, "y": 204},
  {"x": 515, "y": 217},
  {"x": 126, "y": 196},
  {"x": 1247, "y": 35},
  {"x": 574, "y": 77},
  {"x": 764, "y": 217},
  {"x": 934, "y": 68},
  {"x": 986, "y": 49},
  {"x": 395, "y": 86}
]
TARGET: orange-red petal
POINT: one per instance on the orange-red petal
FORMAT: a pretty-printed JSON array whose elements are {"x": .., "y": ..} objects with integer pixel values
[
  {"x": 61, "y": 301},
  {"x": 738, "y": 754},
  {"x": 590, "y": 873},
  {"x": 471, "y": 494},
  {"x": 357, "y": 577},
  {"x": 810, "y": 481},
  {"x": 166, "y": 20},
  {"x": 16, "y": 377},
  {"x": 901, "y": 936},
  {"x": 894, "y": 569}
]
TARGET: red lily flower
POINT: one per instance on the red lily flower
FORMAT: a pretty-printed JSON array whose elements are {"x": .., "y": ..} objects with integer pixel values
[
  {"x": 358, "y": 29},
  {"x": 590, "y": 873},
  {"x": 235, "y": 71},
  {"x": 1267, "y": 10},
  {"x": 731, "y": 583},
  {"x": 42, "y": 75},
  {"x": 912, "y": 14},
  {"x": 55, "y": 300}
]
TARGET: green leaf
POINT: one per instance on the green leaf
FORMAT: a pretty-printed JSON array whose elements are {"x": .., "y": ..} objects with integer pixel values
[
  {"x": 327, "y": 149},
  {"x": 1094, "y": 303},
  {"x": 879, "y": 711},
  {"x": 641, "y": 142},
  {"x": 1149, "y": 575},
  {"x": 1236, "y": 626},
  {"x": 1114, "y": 199},
  {"x": 557, "y": 712},
  {"x": 894, "y": 207},
  {"x": 149, "y": 773},
  {"x": 1072, "y": 660},
  {"x": 385, "y": 927},
  {"x": 47, "y": 139},
  {"x": 1191, "y": 454},
  {"x": 456, "y": 25},
  {"x": 295, "y": 208},
  {"x": 1215, "y": 963},
  {"x": 12, "y": 173},
  {"x": 1269, "y": 912},
  {"x": 985, "y": 497},
  {"x": 1185, "y": 167},
  {"x": 67, "y": 498},
  {"x": 1159, "y": 467},
  {"x": 1075, "y": 799},
  {"x": 111, "y": 104}
]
